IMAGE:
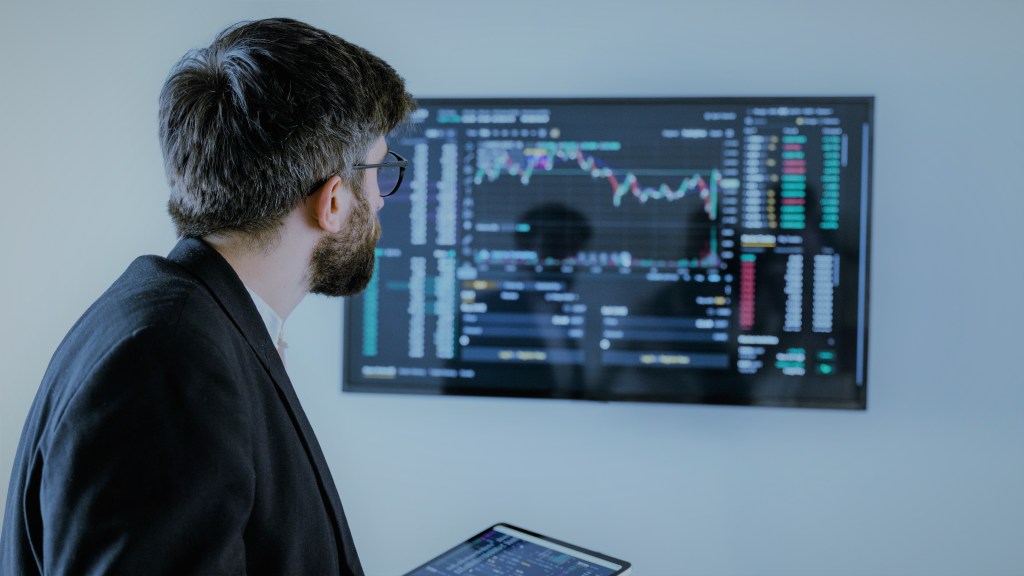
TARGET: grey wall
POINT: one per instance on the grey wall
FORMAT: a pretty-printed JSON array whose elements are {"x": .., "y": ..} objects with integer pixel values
[{"x": 926, "y": 481}]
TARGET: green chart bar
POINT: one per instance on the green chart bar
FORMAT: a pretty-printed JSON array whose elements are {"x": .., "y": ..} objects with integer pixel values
[{"x": 371, "y": 313}]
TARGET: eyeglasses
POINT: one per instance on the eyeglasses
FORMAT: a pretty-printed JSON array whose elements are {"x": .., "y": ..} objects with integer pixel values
[{"x": 389, "y": 173}]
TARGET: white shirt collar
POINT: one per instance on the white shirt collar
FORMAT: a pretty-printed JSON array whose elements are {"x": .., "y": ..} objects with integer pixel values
[{"x": 275, "y": 325}]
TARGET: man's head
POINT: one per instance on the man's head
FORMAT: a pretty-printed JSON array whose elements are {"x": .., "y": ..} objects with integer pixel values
[{"x": 265, "y": 114}]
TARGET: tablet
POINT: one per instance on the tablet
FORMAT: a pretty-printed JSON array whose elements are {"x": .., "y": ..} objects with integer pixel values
[{"x": 504, "y": 550}]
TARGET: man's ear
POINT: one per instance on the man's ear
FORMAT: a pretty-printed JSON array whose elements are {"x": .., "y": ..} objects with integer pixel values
[{"x": 329, "y": 204}]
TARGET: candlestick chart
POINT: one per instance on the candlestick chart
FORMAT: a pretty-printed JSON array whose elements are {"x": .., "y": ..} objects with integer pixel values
[{"x": 653, "y": 209}]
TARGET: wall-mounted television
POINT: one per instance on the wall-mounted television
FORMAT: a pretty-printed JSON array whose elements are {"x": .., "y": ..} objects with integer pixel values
[{"x": 698, "y": 250}]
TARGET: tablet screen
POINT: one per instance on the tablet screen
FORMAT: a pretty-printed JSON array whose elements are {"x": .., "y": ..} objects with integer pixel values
[{"x": 503, "y": 550}]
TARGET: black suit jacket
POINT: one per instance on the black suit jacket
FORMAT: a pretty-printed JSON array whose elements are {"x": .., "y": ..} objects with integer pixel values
[{"x": 166, "y": 438}]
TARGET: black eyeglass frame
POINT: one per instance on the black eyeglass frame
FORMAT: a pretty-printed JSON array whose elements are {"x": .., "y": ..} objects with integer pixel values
[{"x": 399, "y": 162}]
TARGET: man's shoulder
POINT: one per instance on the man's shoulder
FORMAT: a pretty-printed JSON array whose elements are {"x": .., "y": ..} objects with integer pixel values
[
  {"x": 153, "y": 291},
  {"x": 153, "y": 296},
  {"x": 154, "y": 323}
]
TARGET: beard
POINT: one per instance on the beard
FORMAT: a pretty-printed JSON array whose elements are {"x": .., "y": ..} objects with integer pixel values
[{"x": 342, "y": 263}]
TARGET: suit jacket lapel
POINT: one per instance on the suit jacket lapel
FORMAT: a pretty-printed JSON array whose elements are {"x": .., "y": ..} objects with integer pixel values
[{"x": 211, "y": 269}]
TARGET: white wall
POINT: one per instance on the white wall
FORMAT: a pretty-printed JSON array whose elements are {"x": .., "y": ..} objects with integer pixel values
[{"x": 927, "y": 481}]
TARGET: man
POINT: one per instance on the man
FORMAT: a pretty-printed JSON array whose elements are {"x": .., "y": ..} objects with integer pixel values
[{"x": 166, "y": 437}]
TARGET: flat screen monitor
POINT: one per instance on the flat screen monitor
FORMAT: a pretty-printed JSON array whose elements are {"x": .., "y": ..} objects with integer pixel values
[{"x": 698, "y": 250}]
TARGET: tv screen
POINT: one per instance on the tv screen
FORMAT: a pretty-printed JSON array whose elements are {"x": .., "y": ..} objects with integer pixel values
[{"x": 701, "y": 250}]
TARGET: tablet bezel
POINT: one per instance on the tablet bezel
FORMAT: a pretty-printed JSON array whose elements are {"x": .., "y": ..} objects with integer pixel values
[{"x": 624, "y": 568}]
